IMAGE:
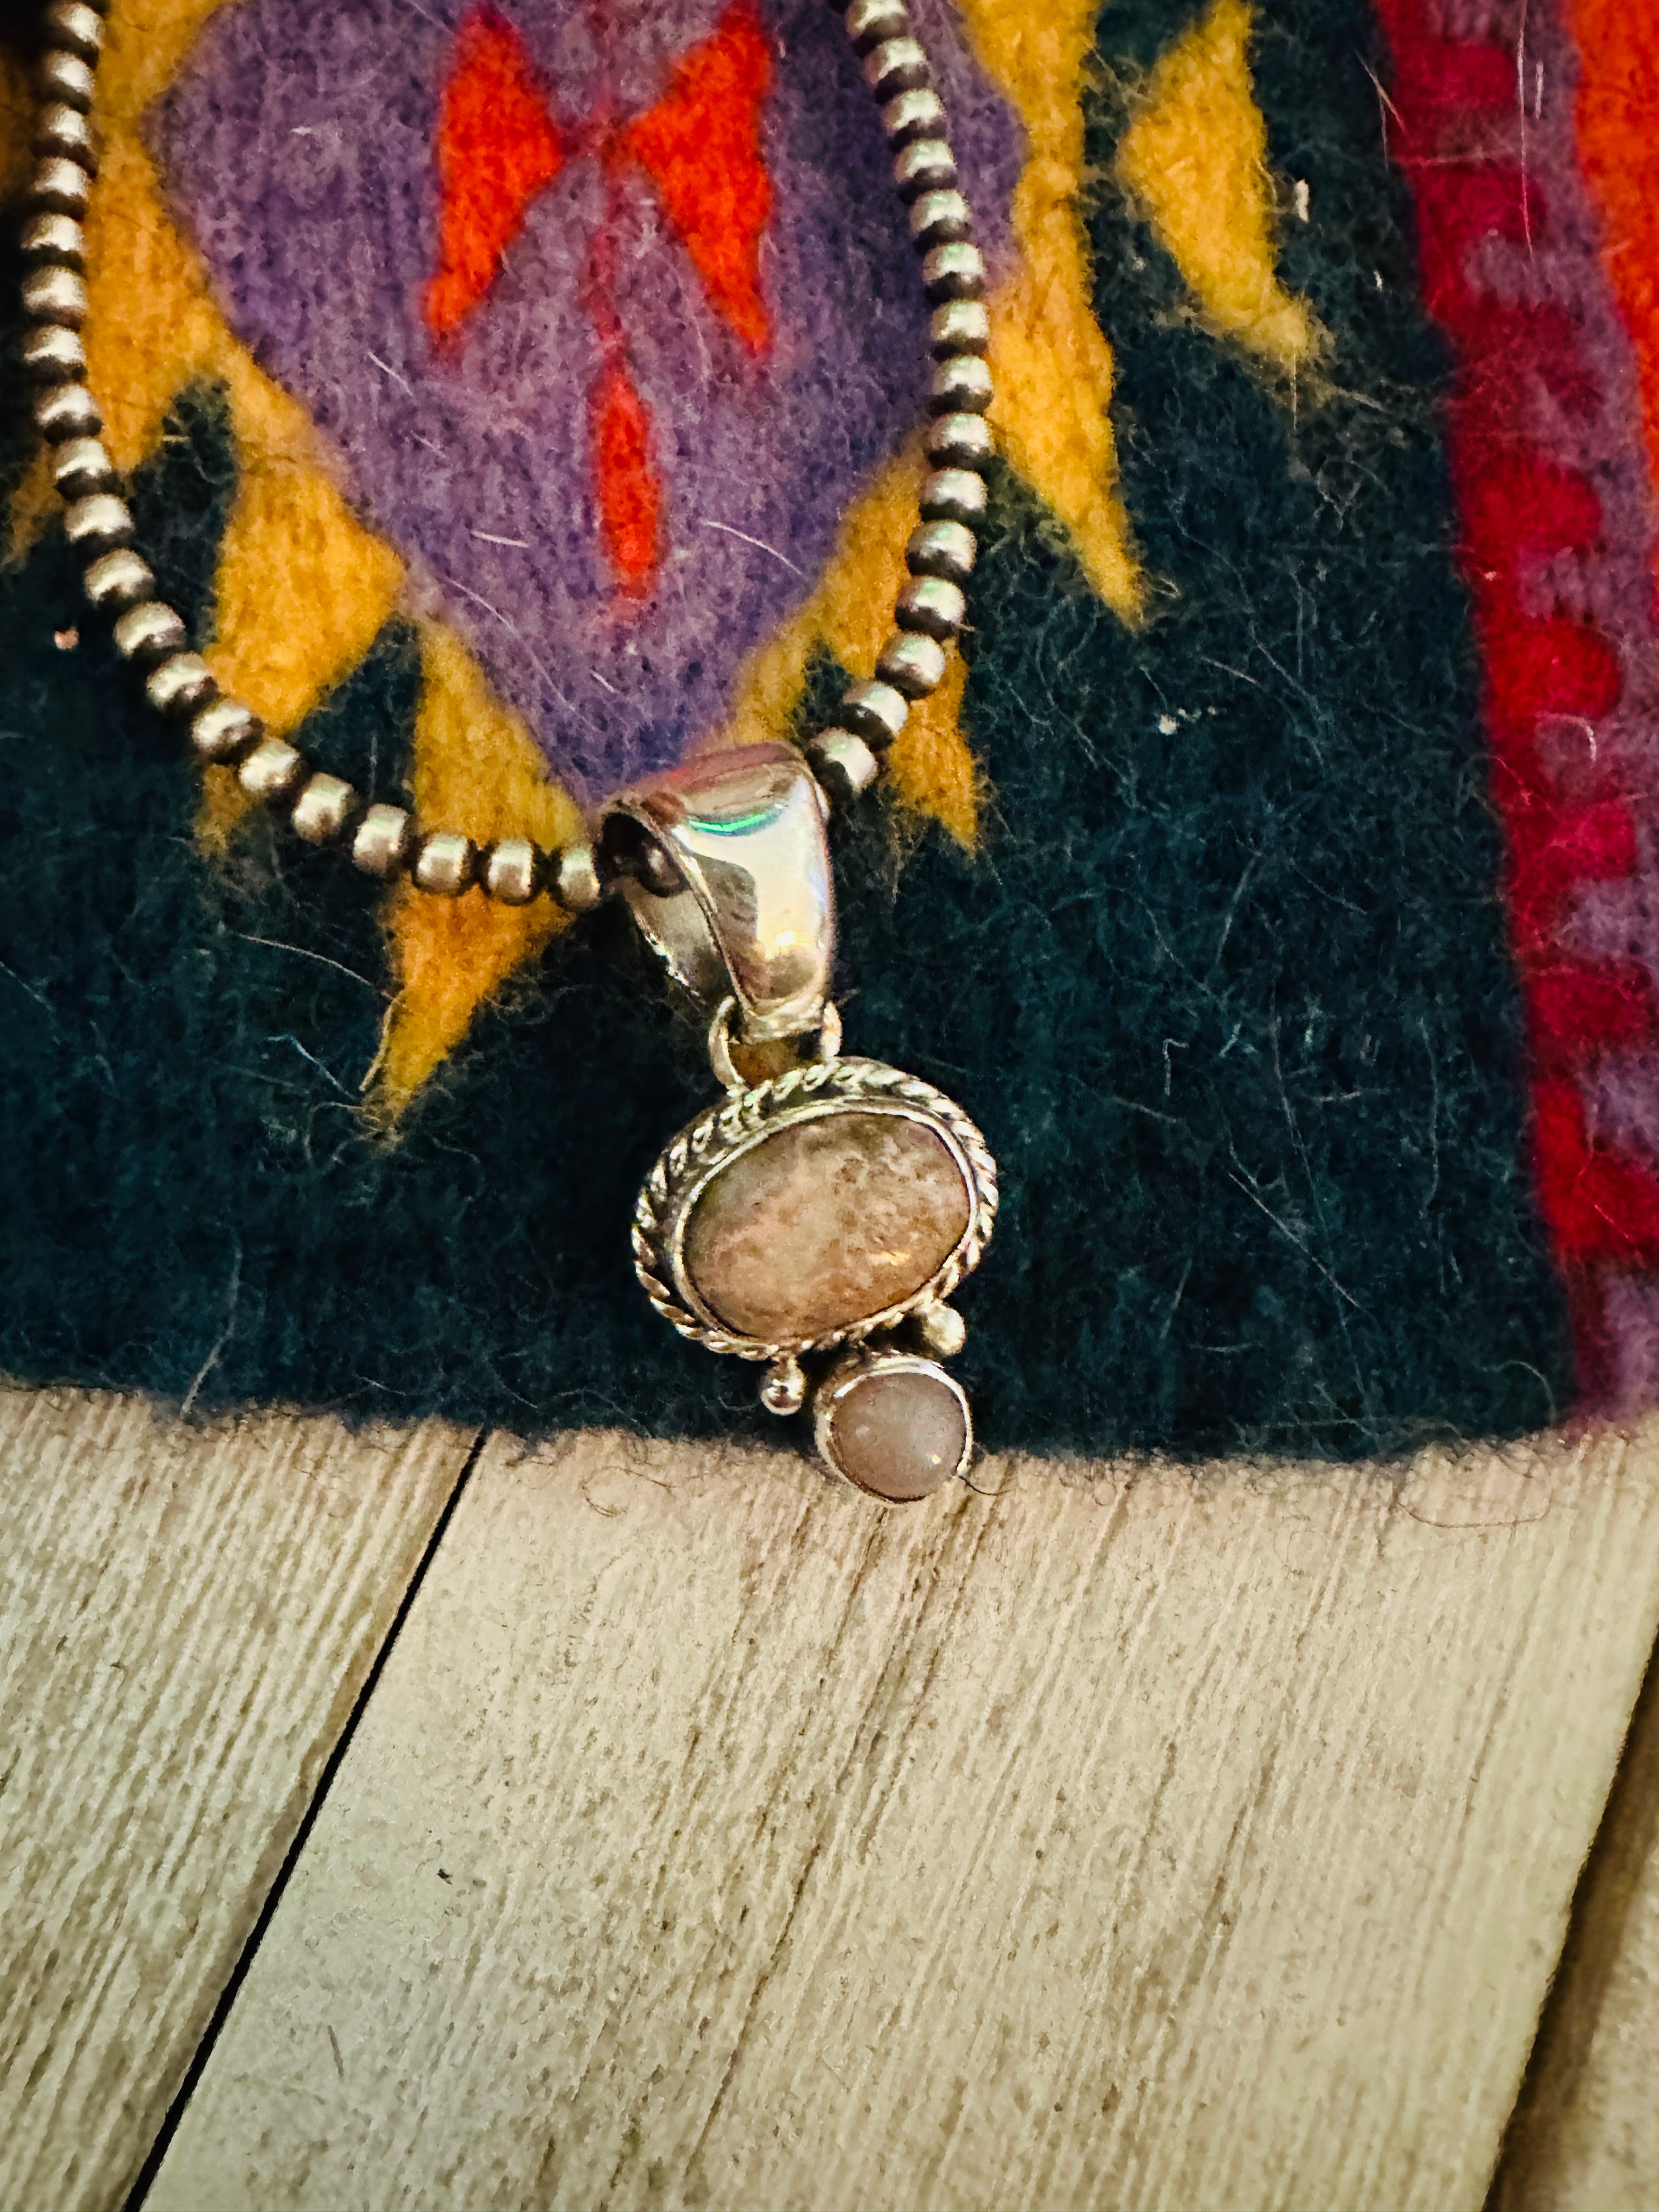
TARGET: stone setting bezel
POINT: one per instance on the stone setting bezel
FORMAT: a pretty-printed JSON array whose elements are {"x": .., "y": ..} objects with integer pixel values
[
  {"x": 868, "y": 1364},
  {"x": 745, "y": 1121}
]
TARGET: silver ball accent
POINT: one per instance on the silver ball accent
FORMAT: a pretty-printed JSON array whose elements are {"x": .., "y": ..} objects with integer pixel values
[
  {"x": 942, "y": 548},
  {"x": 324, "y": 808},
  {"x": 55, "y": 295},
  {"x": 870, "y": 21},
  {"x": 842, "y": 763},
  {"x": 55, "y": 238},
  {"x": 225, "y": 731},
  {"x": 98, "y": 522},
  {"x": 179, "y": 684},
  {"x": 959, "y": 327},
  {"x": 912, "y": 663},
  {"x": 940, "y": 219},
  {"x": 447, "y": 863},
  {"x": 81, "y": 466},
  {"x": 67, "y": 411},
  {"x": 512, "y": 871},
  {"x": 941, "y": 1331},
  {"x": 959, "y": 441},
  {"x": 960, "y": 385},
  {"x": 897, "y": 65},
  {"x": 54, "y": 354},
  {"x": 271, "y": 769},
  {"x": 381, "y": 845},
  {"x": 59, "y": 186},
  {"x": 954, "y": 495},
  {"x": 150, "y": 631},
  {"x": 783, "y": 1388},
  {"x": 930, "y": 605},
  {"x": 914, "y": 115},
  {"x": 80, "y": 28},
  {"x": 875, "y": 712},
  {"x": 953, "y": 272},
  {"x": 118, "y": 579},
  {"x": 574, "y": 879},
  {"x": 926, "y": 164},
  {"x": 64, "y": 133},
  {"x": 65, "y": 76}
]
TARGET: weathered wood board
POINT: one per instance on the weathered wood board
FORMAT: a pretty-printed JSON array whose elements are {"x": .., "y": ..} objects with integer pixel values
[
  {"x": 1586, "y": 2136},
  {"x": 1131, "y": 1841},
  {"x": 186, "y": 1615}
]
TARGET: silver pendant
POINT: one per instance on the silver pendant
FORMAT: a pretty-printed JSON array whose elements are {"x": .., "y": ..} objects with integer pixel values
[{"x": 818, "y": 1219}]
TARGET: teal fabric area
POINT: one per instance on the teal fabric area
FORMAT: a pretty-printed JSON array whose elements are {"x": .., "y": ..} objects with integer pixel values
[{"x": 1226, "y": 986}]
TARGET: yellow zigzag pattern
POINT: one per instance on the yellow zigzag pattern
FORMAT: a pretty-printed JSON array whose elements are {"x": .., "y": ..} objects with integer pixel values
[{"x": 304, "y": 587}]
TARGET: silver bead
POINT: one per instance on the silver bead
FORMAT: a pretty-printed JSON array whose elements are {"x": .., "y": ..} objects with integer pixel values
[
  {"x": 876, "y": 713},
  {"x": 179, "y": 684},
  {"x": 842, "y": 763},
  {"x": 942, "y": 548},
  {"x": 67, "y": 411},
  {"x": 54, "y": 295},
  {"x": 897, "y": 65},
  {"x": 323, "y": 807},
  {"x": 118, "y": 579},
  {"x": 60, "y": 187},
  {"x": 959, "y": 327},
  {"x": 953, "y": 272},
  {"x": 55, "y": 238},
  {"x": 98, "y": 522},
  {"x": 954, "y": 495},
  {"x": 926, "y": 164},
  {"x": 445, "y": 864},
  {"x": 513, "y": 871},
  {"x": 941, "y": 1331},
  {"x": 914, "y": 115},
  {"x": 63, "y": 132},
  {"x": 382, "y": 843},
  {"x": 940, "y": 219},
  {"x": 65, "y": 76},
  {"x": 912, "y": 663},
  {"x": 574, "y": 879},
  {"x": 54, "y": 354},
  {"x": 81, "y": 466},
  {"x": 271, "y": 769},
  {"x": 930, "y": 605},
  {"x": 960, "y": 385},
  {"x": 959, "y": 441},
  {"x": 783, "y": 1388},
  {"x": 150, "y": 631},
  {"x": 225, "y": 731},
  {"x": 869, "y": 21},
  {"x": 72, "y": 24}
]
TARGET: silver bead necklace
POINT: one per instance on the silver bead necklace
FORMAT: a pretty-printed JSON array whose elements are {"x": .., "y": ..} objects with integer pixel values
[{"x": 746, "y": 1236}]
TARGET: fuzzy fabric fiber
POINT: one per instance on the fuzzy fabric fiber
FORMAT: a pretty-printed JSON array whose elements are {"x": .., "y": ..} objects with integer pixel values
[{"x": 1218, "y": 957}]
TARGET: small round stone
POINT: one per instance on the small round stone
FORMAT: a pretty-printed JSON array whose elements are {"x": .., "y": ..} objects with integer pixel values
[
  {"x": 825, "y": 1223},
  {"x": 898, "y": 1429}
]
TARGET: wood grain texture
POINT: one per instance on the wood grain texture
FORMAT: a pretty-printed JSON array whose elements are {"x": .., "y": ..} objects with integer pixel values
[
  {"x": 186, "y": 1615},
  {"x": 1585, "y": 2137},
  {"x": 1115, "y": 1842}
]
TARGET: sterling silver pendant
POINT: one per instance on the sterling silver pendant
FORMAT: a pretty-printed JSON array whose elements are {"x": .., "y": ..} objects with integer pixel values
[{"x": 816, "y": 1220}]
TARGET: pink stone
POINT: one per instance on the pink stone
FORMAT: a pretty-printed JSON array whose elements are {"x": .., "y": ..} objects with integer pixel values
[
  {"x": 898, "y": 1431},
  {"x": 824, "y": 1222}
]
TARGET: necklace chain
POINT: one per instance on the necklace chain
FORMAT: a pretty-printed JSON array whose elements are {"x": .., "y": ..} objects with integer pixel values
[{"x": 385, "y": 840}]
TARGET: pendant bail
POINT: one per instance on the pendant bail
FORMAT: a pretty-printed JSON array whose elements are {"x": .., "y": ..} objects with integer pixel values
[{"x": 744, "y": 832}]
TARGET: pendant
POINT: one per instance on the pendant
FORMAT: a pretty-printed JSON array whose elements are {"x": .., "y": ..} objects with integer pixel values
[{"x": 816, "y": 1219}]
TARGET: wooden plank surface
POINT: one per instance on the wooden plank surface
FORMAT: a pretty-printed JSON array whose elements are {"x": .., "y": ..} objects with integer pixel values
[
  {"x": 187, "y": 1615},
  {"x": 1126, "y": 1842},
  {"x": 1586, "y": 2136}
]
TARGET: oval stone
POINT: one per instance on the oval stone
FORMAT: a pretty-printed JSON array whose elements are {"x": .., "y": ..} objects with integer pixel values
[
  {"x": 824, "y": 1222},
  {"x": 898, "y": 1431}
]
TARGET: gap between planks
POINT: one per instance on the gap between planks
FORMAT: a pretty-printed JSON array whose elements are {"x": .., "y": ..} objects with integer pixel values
[
  {"x": 1119, "y": 1841},
  {"x": 187, "y": 1615}
]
